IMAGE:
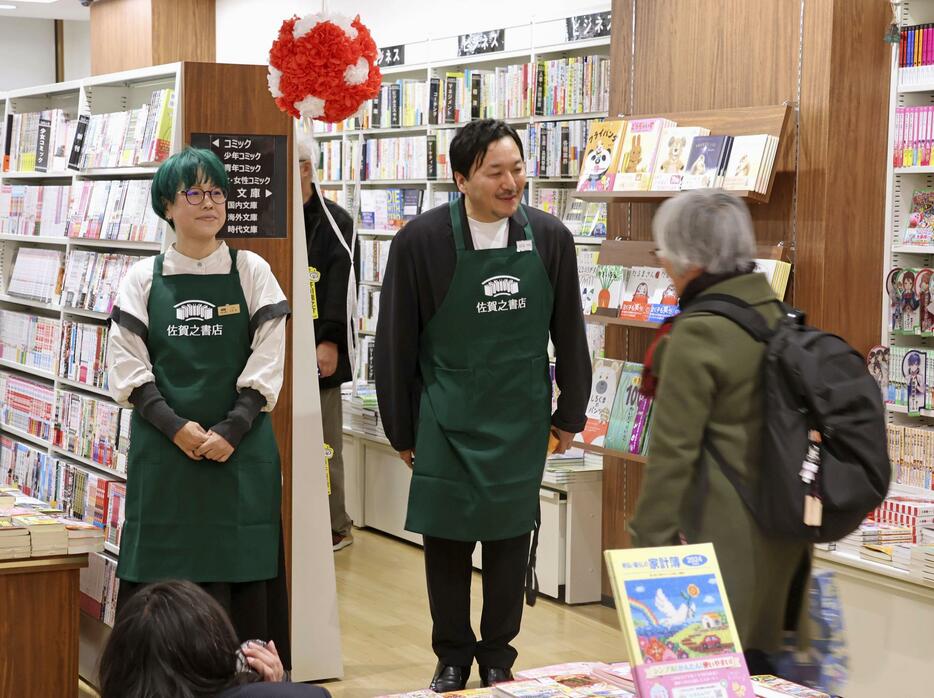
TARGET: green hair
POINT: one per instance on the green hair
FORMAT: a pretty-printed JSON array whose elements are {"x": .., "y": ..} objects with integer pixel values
[{"x": 182, "y": 171}]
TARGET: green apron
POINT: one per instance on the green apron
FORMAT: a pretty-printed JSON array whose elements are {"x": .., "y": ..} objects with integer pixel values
[
  {"x": 485, "y": 410},
  {"x": 202, "y": 521}
]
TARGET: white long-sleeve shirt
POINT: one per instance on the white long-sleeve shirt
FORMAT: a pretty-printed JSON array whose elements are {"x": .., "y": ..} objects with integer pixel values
[{"x": 129, "y": 365}]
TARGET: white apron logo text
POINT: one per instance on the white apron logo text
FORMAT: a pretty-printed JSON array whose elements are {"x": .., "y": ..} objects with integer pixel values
[
  {"x": 497, "y": 286},
  {"x": 195, "y": 311}
]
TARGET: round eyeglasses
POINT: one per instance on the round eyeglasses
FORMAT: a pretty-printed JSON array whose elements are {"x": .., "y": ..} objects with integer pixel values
[{"x": 195, "y": 196}]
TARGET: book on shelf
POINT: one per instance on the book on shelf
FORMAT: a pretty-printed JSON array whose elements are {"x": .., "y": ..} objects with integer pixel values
[
  {"x": 130, "y": 138},
  {"x": 116, "y": 513},
  {"x": 637, "y": 157},
  {"x": 34, "y": 211},
  {"x": 27, "y": 405},
  {"x": 676, "y": 620},
  {"x": 113, "y": 210},
  {"x": 99, "y": 587},
  {"x": 395, "y": 158},
  {"x": 368, "y": 308},
  {"x": 37, "y": 274},
  {"x": 602, "y": 156},
  {"x": 83, "y": 356},
  {"x": 911, "y": 379},
  {"x": 587, "y": 260},
  {"x": 556, "y": 148},
  {"x": 612, "y": 279},
  {"x": 750, "y": 164},
  {"x": 920, "y": 229},
  {"x": 31, "y": 341},
  {"x": 777, "y": 272},
  {"x": 913, "y": 137},
  {"x": 707, "y": 162},
  {"x": 606, "y": 378},
  {"x": 374, "y": 254},
  {"x": 642, "y": 286},
  {"x": 573, "y": 85},
  {"x": 629, "y": 414},
  {"x": 92, "y": 279},
  {"x": 672, "y": 158},
  {"x": 38, "y": 141},
  {"x": 90, "y": 428}
]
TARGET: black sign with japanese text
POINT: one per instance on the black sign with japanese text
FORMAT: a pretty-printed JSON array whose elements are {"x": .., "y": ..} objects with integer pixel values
[
  {"x": 257, "y": 167},
  {"x": 74, "y": 157},
  {"x": 390, "y": 56},
  {"x": 590, "y": 26},
  {"x": 481, "y": 42}
]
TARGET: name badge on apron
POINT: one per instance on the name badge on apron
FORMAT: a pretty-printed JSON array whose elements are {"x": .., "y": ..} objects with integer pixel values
[
  {"x": 231, "y": 309},
  {"x": 523, "y": 246}
]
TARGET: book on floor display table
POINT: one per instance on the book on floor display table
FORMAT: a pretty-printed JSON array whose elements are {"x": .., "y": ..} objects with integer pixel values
[
  {"x": 601, "y": 159},
  {"x": 637, "y": 162},
  {"x": 676, "y": 621},
  {"x": 768, "y": 686}
]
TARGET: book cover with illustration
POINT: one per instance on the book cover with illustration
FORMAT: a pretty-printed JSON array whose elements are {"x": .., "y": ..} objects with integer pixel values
[
  {"x": 635, "y": 167},
  {"x": 768, "y": 686},
  {"x": 705, "y": 162},
  {"x": 606, "y": 373},
  {"x": 747, "y": 158},
  {"x": 601, "y": 157},
  {"x": 672, "y": 159},
  {"x": 663, "y": 298},
  {"x": 587, "y": 278},
  {"x": 677, "y": 623},
  {"x": 920, "y": 230},
  {"x": 625, "y": 407},
  {"x": 612, "y": 278},
  {"x": 636, "y": 299}
]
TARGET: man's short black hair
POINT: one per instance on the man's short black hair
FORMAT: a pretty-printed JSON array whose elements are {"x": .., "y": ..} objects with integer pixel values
[{"x": 468, "y": 147}]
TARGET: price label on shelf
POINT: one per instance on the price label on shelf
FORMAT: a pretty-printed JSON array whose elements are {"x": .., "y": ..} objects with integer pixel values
[{"x": 256, "y": 199}]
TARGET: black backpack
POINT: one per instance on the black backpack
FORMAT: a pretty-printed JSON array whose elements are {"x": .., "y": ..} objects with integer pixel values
[{"x": 812, "y": 380}]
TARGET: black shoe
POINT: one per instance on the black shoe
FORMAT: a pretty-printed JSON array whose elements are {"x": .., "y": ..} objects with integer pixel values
[
  {"x": 449, "y": 678},
  {"x": 490, "y": 675}
]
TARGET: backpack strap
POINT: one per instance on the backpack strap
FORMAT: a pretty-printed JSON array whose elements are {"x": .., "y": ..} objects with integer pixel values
[{"x": 735, "y": 309}]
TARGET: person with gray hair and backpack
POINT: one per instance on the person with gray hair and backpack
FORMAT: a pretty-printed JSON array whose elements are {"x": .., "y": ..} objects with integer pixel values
[{"x": 768, "y": 435}]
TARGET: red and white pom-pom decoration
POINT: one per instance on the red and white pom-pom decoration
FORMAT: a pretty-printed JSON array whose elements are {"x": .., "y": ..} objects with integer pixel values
[{"x": 323, "y": 66}]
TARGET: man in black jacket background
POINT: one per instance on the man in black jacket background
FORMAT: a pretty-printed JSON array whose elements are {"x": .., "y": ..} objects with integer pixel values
[{"x": 329, "y": 260}]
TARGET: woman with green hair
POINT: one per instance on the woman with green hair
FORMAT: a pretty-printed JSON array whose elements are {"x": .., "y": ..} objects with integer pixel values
[{"x": 197, "y": 348}]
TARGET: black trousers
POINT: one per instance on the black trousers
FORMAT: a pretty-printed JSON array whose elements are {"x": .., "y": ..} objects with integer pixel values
[{"x": 448, "y": 569}]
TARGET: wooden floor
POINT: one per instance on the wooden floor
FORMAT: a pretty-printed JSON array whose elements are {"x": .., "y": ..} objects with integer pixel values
[{"x": 386, "y": 629}]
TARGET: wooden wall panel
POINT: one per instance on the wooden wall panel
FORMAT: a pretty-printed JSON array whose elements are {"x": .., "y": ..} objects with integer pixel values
[
  {"x": 183, "y": 30},
  {"x": 207, "y": 108},
  {"x": 121, "y": 35}
]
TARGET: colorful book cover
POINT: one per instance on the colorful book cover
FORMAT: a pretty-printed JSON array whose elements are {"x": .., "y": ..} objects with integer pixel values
[
  {"x": 554, "y": 670},
  {"x": 910, "y": 305},
  {"x": 704, "y": 162},
  {"x": 530, "y": 688},
  {"x": 920, "y": 230},
  {"x": 672, "y": 159},
  {"x": 635, "y": 168},
  {"x": 625, "y": 407},
  {"x": 663, "y": 298},
  {"x": 587, "y": 278},
  {"x": 594, "y": 224},
  {"x": 635, "y": 304},
  {"x": 601, "y": 156},
  {"x": 606, "y": 374},
  {"x": 612, "y": 280},
  {"x": 677, "y": 622},
  {"x": 767, "y": 686},
  {"x": 640, "y": 424},
  {"x": 747, "y": 157}
]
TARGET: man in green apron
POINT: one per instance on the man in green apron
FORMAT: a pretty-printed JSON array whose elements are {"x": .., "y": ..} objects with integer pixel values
[{"x": 473, "y": 290}]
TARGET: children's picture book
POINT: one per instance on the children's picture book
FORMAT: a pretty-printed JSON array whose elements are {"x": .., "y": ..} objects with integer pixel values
[
  {"x": 612, "y": 280},
  {"x": 767, "y": 686},
  {"x": 637, "y": 161},
  {"x": 606, "y": 373},
  {"x": 677, "y": 622},
  {"x": 587, "y": 278},
  {"x": 530, "y": 688},
  {"x": 601, "y": 158},
  {"x": 706, "y": 162},
  {"x": 920, "y": 230},
  {"x": 554, "y": 670},
  {"x": 672, "y": 158},
  {"x": 625, "y": 407},
  {"x": 663, "y": 298},
  {"x": 636, "y": 304},
  {"x": 594, "y": 223},
  {"x": 747, "y": 158}
]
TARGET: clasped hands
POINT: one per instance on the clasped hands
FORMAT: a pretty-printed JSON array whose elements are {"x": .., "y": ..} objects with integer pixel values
[{"x": 197, "y": 444}]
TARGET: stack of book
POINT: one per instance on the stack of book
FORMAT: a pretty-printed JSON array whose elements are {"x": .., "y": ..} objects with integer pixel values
[
  {"x": 562, "y": 469},
  {"x": 88, "y": 428},
  {"x": 92, "y": 279},
  {"x": 395, "y": 158},
  {"x": 38, "y": 141},
  {"x": 556, "y": 148},
  {"x": 914, "y": 133},
  {"x": 34, "y": 210},
  {"x": 26, "y": 405},
  {"x": 14, "y": 540},
  {"x": 330, "y": 166},
  {"x": 99, "y": 586},
  {"x": 463, "y": 95},
  {"x": 618, "y": 415},
  {"x": 551, "y": 200},
  {"x": 400, "y": 103},
  {"x": 922, "y": 563},
  {"x": 368, "y": 308},
  {"x": 912, "y": 512},
  {"x": 30, "y": 340},
  {"x": 139, "y": 136},
  {"x": 116, "y": 513},
  {"x": 113, "y": 210},
  {"x": 575, "y": 85},
  {"x": 374, "y": 255},
  {"x": 911, "y": 451},
  {"x": 871, "y": 533},
  {"x": 84, "y": 353},
  {"x": 389, "y": 209},
  {"x": 37, "y": 275}
]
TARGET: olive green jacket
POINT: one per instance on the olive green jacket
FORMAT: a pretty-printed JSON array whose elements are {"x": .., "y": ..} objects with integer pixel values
[{"x": 709, "y": 373}]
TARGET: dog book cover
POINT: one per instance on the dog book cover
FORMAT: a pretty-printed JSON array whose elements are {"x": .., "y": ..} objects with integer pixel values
[
  {"x": 601, "y": 158},
  {"x": 672, "y": 159},
  {"x": 677, "y": 622}
]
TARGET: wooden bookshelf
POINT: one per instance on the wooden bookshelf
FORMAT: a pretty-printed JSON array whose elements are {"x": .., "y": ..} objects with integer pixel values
[
  {"x": 597, "y": 319},
  {"x": 634, "y": 457},
  {"x": 645, "y": 196}
]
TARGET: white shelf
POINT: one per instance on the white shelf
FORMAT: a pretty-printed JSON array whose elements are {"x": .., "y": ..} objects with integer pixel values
[
  {"x": 599, "y": 42},
  {"x": 37, "y": 175},
  {"x": 37, "y": 372},
  {"x": 45, "y": 90},
  {"x": 920, "y": 87},
  {"x": 139, "y": 75},
  {"x": 392, "y": 182},
  {"x": 25, "y": 436},
  {"x": 117, "y": 172},
  {"x": 390, "y": 130},
  {"x": 588, "y": 240},
  {"x": 580, "y": 116},
  {"x": 375, "y": 284},
  {"x": 333, "y": 134},
  {"x": 553, "y": 180},
  {"x": 901, "y": 409},
  {"x": 332, "y": 184},
  {"x": 58, "y": 241},
  {"x": 29, "y": 303},
  {"x": 146, "y": 245},
  {"x": 111, "y": 548},
  {"x": 927, "y": 169},
  {"x": 361, "y": 232},
  {"x": 913, "y": 249},
  {"x": 81, "y": 312},
  {"x": 88, "y": 462},
  {"x": 84, "y": 386}
]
